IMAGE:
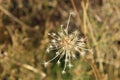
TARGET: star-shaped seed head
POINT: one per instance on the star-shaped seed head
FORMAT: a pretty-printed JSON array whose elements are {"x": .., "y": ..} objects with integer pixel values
[{"x": 67, "y": 44}]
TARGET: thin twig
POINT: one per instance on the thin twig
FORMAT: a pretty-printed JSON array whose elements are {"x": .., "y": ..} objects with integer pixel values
[
  {"x": 97, "y": 75},
  {"x": 85, "y": 19},
  {"x": 29, "y": 67},
  {"x": 93, "y": 68},
  {"x": 68, "y": 23},
  {"x": 79, "y": 19},
  {"x": 94, "y": 42},
  {"x": 85, "y": 6},
  {"x": 24, "y": 26}
]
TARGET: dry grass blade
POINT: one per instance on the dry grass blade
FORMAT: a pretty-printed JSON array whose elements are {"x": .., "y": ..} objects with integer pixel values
[{"x": 24, "y": 26}]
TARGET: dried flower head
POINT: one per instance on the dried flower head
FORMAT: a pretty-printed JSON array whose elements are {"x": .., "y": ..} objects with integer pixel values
[{"x": 66, "y": 44}]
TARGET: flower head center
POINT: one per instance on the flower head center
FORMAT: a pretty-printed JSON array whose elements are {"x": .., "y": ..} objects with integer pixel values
[{"x": 67, "y": 43}]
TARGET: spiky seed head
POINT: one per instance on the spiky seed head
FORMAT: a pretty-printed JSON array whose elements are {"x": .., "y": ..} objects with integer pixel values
[{"x": 67, "y": 44}]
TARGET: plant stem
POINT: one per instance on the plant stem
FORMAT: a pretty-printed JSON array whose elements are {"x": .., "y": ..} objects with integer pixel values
[
  {"x": 76, "y": 11},
  {"x": 84, "y": 29},
  {"x": 93, "y": 66}
]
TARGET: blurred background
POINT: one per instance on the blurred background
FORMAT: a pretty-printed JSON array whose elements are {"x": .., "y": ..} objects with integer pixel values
[{"x": 24, "y": 27}]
